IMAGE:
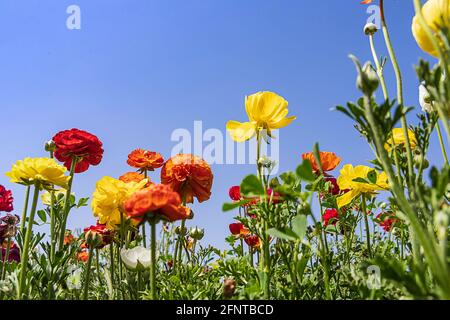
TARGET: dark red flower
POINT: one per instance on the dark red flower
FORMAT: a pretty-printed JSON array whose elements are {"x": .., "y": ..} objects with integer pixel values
[
  {"x": 8, "y": 226},
  {"x": 6, "y": 200},
  {"x": 14, "y": 252},
  {"x": 86, "y": 147},
  {"x": 334, "y": 187},
  {"x": 238, "y": 229},
  {"x": 330, "y": 216},
  {"x": 235, "y": 193},
  {"x": 253, "y": 241},
  {"x": 386, "y": 221},
  {"x": 100, "y": 231}
]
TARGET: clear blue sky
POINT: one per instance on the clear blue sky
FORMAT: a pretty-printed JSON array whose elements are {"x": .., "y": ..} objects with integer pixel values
[{"x": 138, "y": 69}]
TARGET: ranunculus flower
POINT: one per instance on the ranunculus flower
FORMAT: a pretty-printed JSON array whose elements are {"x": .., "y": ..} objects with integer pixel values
[
  {"x": 437, "y": 16},
  {"x": 145, "y": 160},
  {"x": 8, "y": 226},
  {"x": 99, "y": 231},
  {"x": 68, "y": 238},
  {"x": 6, "y": 200},
  {"x": 386, "y": 221},
  {"x": 46, "y": 171},
  {"x": 238, "y": 229},
  {"x": 253, "y": 241},
  {"x": 235, "y": 193},
  {"x": 109, "y": 197},
  {"x": 59, "y": 194},
  {"x": 157, "y": 199},
  {"x": 328, "y": 160},
  {"x": 14, "y": 252},
  {"x": 133, "y": 177},
  {"x": 425, "y": 99},
  {"x": 138, "y": 258},
  {"x": 188, "y": 175},
  {"x": 330, "y": 216},
  {"x": 266, "y": 111},
  {"x": 346, "y": 181},
  {"x": 86, "y": 147},
  {"x": 397, "y": 139},
  {"x": 334, "y": 188},
  {"x": 83, "y": 256}
]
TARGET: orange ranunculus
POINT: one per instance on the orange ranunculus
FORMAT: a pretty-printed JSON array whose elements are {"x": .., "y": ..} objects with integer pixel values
[
  {"x": 133, "y": 177},
  {"x": 145, "y": 160},
  {"x": 188, "y": 175},
  {"x": 158, "y": 199},
  {"x": 329, "y": 160},
  {"x": 68, "y": 238},
  {"x": 83, "y": 256}
]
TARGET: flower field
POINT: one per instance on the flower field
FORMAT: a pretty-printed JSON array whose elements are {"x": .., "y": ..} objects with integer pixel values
[{"x": 326, "y": 230}]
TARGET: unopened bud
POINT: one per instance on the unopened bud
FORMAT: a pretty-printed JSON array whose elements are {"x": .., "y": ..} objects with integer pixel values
[
  {"x": 370, "y": 29},
  {"x": 93, "y": 239},
  {"x": 50, "y": 146},
  {"x": 367, "y": 81},
  {"x": 197, "y": 233},
  {"x": 181, "y": 230}
]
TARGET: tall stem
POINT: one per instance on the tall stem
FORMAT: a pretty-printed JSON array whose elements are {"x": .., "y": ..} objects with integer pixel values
[
  {"x": 153, "y": 260},
  {"x": 6, "y": 258},
  {"x": 26, "y": 247},
  {"x": 366, "y": 222},
  {"x": 379, "y": 67},
  {"x": 88, "y": 274},
  {"x": 441, "y": 142},
  {"x": 66, "y": 209},
  {"x": 25, "y": 209}
]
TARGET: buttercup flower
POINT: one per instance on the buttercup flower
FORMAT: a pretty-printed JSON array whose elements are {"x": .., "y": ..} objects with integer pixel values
[
  {"x": 43, "y": 170},
  {"x": 235, "y": 193},
  {"x": 6, "y": 200},
  {"x": 8, "y": 226},
  {"x": 188, "y": 175},
  {"x": 397, "y": 138},
  {"x": 253, "y": 241},
  {"x": 386, "y": 221},
  {"x": 68, "y": 238},
  {"x": 157, "y": 199},
  {"x": 83, "y": 145},
  {"x": 266, "y": 111},
  {"x": 346, "y": 181},
  {"x": 60, "y": 194},
  {"x": 330, "y": 216},
  {"x": 328, "y": 160},
  {"x": 133, "y": 177},
  {"x": 238, "y": 229},
  {"x": 334, "y": 187},
  {"x": 14, "y": 252},
  {"x": 109, "y": 197},
  {"x": 437, "y": 15},
  {"x": 138, "y": 258},
  {"x": 425, "y": 99},
  {"x": 145, "y": 160},
  {"x": 98, "y": 234},
  {"x": 83, "y": 256}
]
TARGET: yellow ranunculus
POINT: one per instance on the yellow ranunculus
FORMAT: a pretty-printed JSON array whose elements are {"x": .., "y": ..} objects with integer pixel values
[
  {"x": 109, "y": 197},
  {"x": 59, "y": 195},
  {"x": 355, "y": 189},
  {"x": 265, "y": 110},
  {"x": 397, "y": 138},
  {"x": 46, "y": 171},
  {"x": 436, "y": 14}
]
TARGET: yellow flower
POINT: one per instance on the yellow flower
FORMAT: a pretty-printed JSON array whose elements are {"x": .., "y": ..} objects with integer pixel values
[
  {"x": 109, "y": 197},
  {"x": 46, "y": 171},
  {"x": 355, "y": 189},
  {"x": 59, "y": 196},
  {"x": 265, "y": 110},
  {"x": 397, "y": 138},
  {"x": 437, "y": 15}
]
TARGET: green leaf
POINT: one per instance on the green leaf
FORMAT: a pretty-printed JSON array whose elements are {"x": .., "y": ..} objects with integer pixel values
[
  {"x": 42, "y": 215},
  {"x": 231, "y": 206},
  {"x": 304, "y": 171},
  {"x": 252, "y": 186},
  {"x": 82, "y": 202},
  {"x": 360, "y": 180},
  {"x": 285, "y": 234},
  {"x": 372, "y": 176},
  {"x": 299, "y": 226}
]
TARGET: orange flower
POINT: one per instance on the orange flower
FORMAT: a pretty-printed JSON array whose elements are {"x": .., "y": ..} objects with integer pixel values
[
  {"x": 329, "y": 160},
  {"x": 366, "y": 1},
  {"x": 145, "y": 160},
  {"x": 134, "y": 177},
  {"x": 83, "y": 256},
  {"x": 188, "y": 175},
  {"x": 158, "y": 199},
  {"x": 68, "y": 238}
]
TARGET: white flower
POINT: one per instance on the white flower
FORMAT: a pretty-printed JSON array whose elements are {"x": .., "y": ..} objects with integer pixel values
[
  {"x": 137, "y": 258},
  {"x": 74, "y": 280},
  {"x": 425, "y": 99}
]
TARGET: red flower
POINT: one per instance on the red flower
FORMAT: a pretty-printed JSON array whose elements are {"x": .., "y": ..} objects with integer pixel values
[
  {"x": 145, "y": 160},
  {"x": 253, "y": 241},
  {"x": 238, "y": 229},
  {"x": 83, "y": 256},
  {"x": 330, "y": 216},
  {"x": 235, "y": 193},
  {"x": 14, "y": 252},
  {"x": 6, "y": 200},
  {"x": 86, "y": 147},
  {"x": 386, "y": 221},
  {"x": 334, "y": 187},
  {"x": 101, "y": 231}
]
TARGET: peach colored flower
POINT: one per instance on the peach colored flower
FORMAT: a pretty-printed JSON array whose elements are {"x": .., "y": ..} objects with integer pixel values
[{"x": 145, "y": 160}]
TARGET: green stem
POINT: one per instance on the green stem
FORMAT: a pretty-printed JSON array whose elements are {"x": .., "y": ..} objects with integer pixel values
[
  {"x": 366, "y": 222},
  {"x": 25, "y": 209},
  {"x": 153, "y": 260},
  {"x": 53, "y": 232},
  {"x": 379, "y": 67},
  {"x": 441, "y": 142},
  {"x": 88, "y": 274},
  {"x": 26, "y": 247},
  {"x": 111, "y": 262},
  {"x": 66, "y": 209},
  {"x": 6, "y": 258}
]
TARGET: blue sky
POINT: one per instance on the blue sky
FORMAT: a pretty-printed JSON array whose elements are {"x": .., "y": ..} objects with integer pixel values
[{"x": 139, "y": 69}]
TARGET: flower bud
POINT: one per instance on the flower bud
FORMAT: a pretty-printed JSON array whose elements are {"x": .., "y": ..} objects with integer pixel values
[
  {"x": 370, "y": 29},
  {"x": 197, "y": 233},
  {"x": 181, "y": 230},
  {"x": 229, "y": 288},
  {"x": 50, "y": 146},
  {"x": 420, "y": 161},
  {"x": 425, "y": 100},
  {"x": 367, "y": 80},
  {"x": 265, "y": 162},
  {"x": 93, "y": 239}
]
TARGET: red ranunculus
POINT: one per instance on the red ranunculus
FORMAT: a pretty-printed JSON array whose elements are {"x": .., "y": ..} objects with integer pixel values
[
  {"x": 238, "y": 229},
  {"x": 334, "y": 187},
  {"x": 253, "y": 241},
  {"x": 14, "y": 252},
  {"x": 86, "y": 147},
  {"x": 235, "y": 193},
  {"x": 386, "y": 221},
  {"x": 102, "y": 231},
  {"x": 6, "y": 200},
  {"x": 330, "y": 216}
]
